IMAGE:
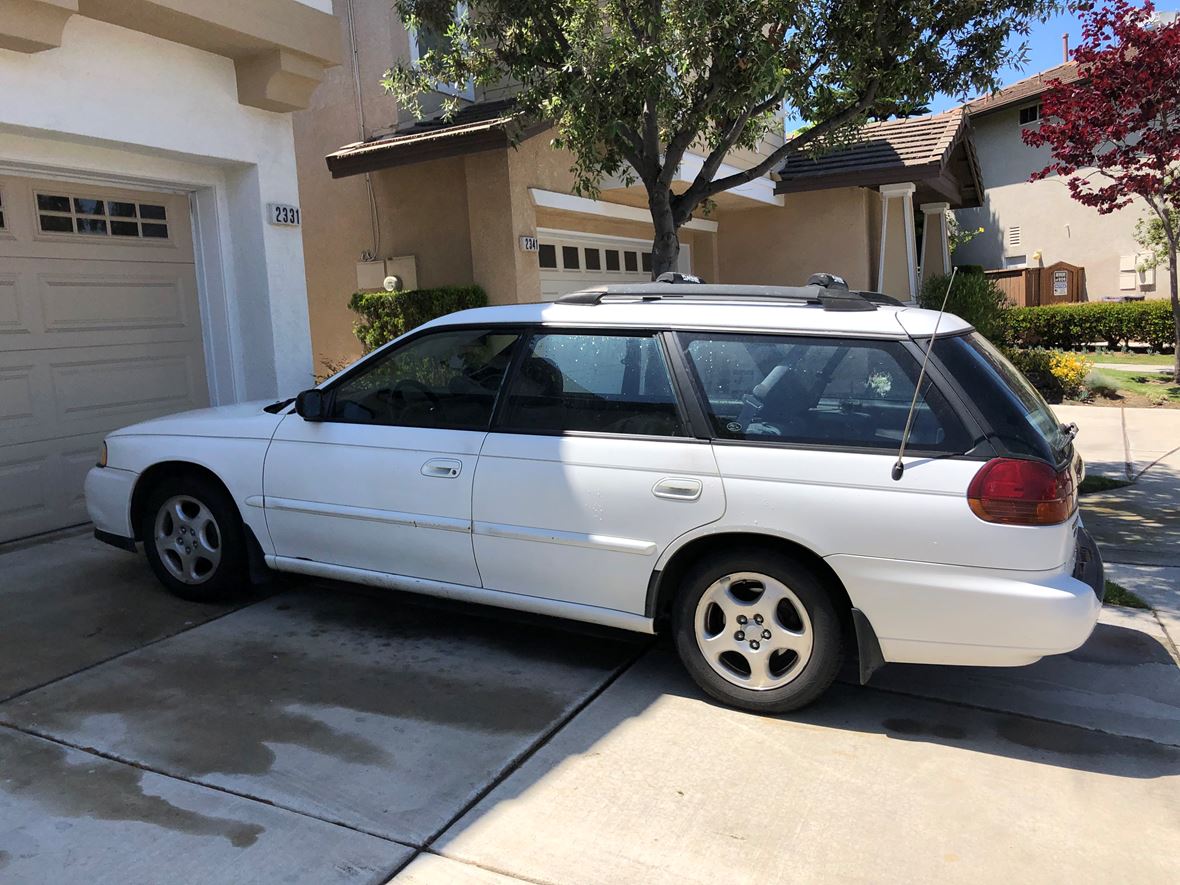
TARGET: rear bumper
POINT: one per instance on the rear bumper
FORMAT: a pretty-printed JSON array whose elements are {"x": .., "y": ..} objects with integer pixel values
[{"x": 926, "y": 613}]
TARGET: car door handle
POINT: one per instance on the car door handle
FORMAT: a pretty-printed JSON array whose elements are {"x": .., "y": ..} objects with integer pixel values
[
  {"x": 677, "y": 489},
  {"x": 442, "y": 468}
]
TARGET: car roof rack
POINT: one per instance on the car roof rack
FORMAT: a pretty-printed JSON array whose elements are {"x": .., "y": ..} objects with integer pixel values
[{"x": 826, "y": 290}]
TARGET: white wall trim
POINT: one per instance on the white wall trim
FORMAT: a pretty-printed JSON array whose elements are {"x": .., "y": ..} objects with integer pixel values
[
  {"x": 583, "y": 206},
  {"x": 760, "y": 189}
]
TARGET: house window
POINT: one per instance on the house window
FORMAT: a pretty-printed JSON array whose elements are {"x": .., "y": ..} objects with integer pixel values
[
  {"x": 427, "y": 40},
  {"x": 1030, "y": 114},
  {"x": 64, "y": 214}
]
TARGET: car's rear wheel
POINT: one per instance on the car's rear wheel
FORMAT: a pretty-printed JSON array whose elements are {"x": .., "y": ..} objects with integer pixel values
[
  {"x": 758, "y": 630},
  {"x": 194, "y": 539}
]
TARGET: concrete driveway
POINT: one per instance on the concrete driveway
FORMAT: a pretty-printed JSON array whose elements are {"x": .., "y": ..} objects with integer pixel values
[{"x": 317, "y": 735}]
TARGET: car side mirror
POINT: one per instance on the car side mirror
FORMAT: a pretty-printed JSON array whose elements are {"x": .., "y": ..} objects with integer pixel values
[{"x": 312, "y": 405}]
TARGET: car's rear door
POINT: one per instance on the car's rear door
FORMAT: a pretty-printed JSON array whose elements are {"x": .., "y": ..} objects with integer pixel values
[{"x": 590, "y": 471}]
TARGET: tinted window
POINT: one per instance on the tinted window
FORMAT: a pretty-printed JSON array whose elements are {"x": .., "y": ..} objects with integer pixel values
[
  {"x": 819, "y": 391},
  {"x": 444, "y": 379},
  {"x": 603, "y": 383},
  {"x": 1013, "y": 408}
]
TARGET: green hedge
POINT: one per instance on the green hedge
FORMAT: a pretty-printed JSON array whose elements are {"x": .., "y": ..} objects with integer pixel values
[
  {"x": 973, "y": 297},
  {"x": 1073, "y": 326},
  {"x": 385, "y": 315}
]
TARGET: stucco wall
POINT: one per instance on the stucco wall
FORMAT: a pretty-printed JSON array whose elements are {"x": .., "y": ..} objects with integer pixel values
[
  {"x": 813, "y": 231},
  {"x": 1050, "y": 220},
  {"x": 167, "y": 114}
]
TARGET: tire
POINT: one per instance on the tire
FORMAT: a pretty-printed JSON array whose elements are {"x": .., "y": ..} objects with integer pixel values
[
  {"x": 194, "y": 539},
  {"x": 782, "y": 662}
]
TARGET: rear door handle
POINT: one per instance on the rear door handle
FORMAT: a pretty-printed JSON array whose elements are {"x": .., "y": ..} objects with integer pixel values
[
  {"x": 442, "y": 468},
  {"x": 677, "y": 489}
]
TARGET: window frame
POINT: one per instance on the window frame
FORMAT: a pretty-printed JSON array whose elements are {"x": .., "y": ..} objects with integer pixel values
[
  {"x": 107, "y": 237},
  {"x": 468, "y": 92},
  {"x": 332, "y": 385},
  {"x": 688, "y": 423},
  {"x": 980, "y": 449}
]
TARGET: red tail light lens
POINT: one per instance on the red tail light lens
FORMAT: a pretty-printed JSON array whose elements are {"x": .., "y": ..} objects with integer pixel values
[{"x": 1018, "y": 492}]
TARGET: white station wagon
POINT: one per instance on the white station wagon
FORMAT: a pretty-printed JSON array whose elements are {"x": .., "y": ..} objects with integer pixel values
[{"x": 721, "y": 461}]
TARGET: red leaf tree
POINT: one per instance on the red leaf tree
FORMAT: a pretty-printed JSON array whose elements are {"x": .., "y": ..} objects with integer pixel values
[{"x": 1114, "y": 134}]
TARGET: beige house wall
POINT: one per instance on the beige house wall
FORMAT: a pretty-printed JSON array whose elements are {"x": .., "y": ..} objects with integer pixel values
[
  {"x": 1051, "y": 222},
  {"x": 813, "y": 231}
]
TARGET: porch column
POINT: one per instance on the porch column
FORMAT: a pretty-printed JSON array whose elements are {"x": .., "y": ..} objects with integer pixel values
[
  {"x": 936, "y": 249},
  {"x": 897, "y": 259}
]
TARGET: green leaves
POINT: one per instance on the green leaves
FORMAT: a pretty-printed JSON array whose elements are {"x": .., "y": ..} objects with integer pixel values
[
  {"x": 383, "y": 316},
  {"x": 632, "y": 85}
]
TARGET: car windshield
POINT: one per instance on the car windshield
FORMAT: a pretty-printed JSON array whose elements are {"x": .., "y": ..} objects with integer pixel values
[{"x": 1015, "y": 410}]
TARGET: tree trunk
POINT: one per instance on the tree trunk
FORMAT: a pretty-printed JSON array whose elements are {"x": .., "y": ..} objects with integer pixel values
[
  {"x": 665, "y": 247},
  {"x": 1175, "y": 311}
]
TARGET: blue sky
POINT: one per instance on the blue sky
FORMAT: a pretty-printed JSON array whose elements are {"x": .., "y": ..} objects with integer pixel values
[{"x": 1044, "y": 51}]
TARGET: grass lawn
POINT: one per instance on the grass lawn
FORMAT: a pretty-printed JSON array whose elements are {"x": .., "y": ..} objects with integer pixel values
[
  {"x": 1117, "y": 594},
  {"x": 1133, "y": 389},
  {"x": 1132, "y": 359},
  {"x": 1092, "y": 484}
]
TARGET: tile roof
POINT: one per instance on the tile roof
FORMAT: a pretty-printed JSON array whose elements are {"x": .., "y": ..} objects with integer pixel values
[
  {"x": 478, "y": 126},
  {"x": 1023, "y": 90},
  {"x": 884, "y": 153}
]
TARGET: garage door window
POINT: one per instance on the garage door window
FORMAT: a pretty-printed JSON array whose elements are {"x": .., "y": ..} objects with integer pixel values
[
  {"x": 65, "y": 214},
  {"x": 1, "y": 210}
]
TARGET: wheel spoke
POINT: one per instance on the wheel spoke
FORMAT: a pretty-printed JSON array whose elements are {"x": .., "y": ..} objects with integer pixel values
[
  {"x": 789, "y": 640},
  {"x": 760, "y": 675}
]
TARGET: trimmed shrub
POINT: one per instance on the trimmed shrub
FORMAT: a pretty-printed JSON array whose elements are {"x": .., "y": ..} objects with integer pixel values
[
  {"x": 1056, "y": 374},
  {"x": 973, "y": 297},
  {"x": 1074, "y": 326},
  {"x": 386, "y": 315}
]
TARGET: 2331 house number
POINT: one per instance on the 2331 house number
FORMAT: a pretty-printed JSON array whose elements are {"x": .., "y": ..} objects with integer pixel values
[{"x": 283, "y": 214}]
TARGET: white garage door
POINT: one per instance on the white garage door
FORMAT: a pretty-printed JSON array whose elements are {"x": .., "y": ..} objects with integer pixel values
[
  {"x": 571, "y": 261},
  {"x": 99, "y": 328}
]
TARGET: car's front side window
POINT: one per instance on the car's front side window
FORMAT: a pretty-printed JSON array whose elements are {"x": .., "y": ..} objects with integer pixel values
[
  {"x": 446, "y": 379},
  {"x": 593, "y": 383},
  {"x": 820, "y": 391}
]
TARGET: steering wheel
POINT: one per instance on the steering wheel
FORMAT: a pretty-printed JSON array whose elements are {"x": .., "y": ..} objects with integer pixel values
[{"x": 420, "y": 391}]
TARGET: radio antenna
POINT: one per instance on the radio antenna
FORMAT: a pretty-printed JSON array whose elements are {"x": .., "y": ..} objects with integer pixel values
[{"x": 899, "y": 466}]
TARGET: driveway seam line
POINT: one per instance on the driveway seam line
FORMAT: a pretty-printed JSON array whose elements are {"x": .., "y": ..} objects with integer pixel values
[
  {"x": 1168, "y": 636},
  {"x": 997, "y": 711},
  {"x": 141, "y": 766},
  {"x": 516, "y": 762},
  {"x": 479, "y": 866},
  {"x": 115, "y": 657}
]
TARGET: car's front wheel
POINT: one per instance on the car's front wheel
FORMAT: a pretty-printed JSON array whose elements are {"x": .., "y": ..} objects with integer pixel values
[
  {"x": 758, "y": 630},
  {"x": 194, "y": 538}
]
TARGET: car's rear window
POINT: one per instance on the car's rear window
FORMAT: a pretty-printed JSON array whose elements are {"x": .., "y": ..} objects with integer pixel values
[
  {"x": 819, "y": 391},
  {"x": 1017, "y": 413}
]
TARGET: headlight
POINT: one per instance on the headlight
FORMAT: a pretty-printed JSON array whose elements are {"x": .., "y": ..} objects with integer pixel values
[{"x": 102, "y": 455}]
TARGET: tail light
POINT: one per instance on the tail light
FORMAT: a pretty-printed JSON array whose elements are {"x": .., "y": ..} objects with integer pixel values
[{"x": 1014, "y": 491}]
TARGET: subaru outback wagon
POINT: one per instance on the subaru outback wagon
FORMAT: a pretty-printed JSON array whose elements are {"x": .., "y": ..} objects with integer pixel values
[{"x": 718, "y": 461}]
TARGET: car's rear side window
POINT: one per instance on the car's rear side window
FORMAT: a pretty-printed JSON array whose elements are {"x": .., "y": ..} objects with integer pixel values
[
  {"x": 592, "y": 383},
  {"x": 1010, "y": 405},
  {"x": 819, "y": 391}
]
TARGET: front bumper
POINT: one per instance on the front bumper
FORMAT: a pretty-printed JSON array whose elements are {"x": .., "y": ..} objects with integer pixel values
[
  {"x": 108, "y": 500},
  {"x": 928, "y": 613}
]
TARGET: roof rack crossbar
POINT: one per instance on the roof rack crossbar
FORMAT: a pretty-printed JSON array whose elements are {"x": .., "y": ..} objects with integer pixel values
[{"x": 835, "y": 298}]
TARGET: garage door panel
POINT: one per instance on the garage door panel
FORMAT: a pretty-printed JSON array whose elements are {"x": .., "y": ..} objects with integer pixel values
[
  {"x": 96, "y": 332},
  {"x": 114, "y": 302},
  {"x": 11, "y": 314}
]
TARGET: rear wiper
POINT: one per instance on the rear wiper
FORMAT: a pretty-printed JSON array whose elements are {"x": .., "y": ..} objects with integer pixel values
[
  {"x": 1070, "y": 430},
  {"x": 275, "y": 408}
]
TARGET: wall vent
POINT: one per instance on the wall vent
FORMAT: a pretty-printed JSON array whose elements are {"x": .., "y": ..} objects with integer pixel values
[{"x": 1012, "y": 237}]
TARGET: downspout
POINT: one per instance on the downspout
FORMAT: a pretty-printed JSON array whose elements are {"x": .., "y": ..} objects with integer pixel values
[{"x": 374, "y": 215}]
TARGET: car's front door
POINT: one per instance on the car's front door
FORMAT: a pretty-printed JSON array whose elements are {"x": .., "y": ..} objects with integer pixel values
[
  {"x": 589, "y": 472},
  {"x": 384, "y": 483}
]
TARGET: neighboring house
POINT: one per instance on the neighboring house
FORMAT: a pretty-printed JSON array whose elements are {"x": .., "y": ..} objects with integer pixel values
[
  {"x": 140, "y": 143},
  {"x": 1038, "y": 224},
  {"x": 448, "y": 202}
]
